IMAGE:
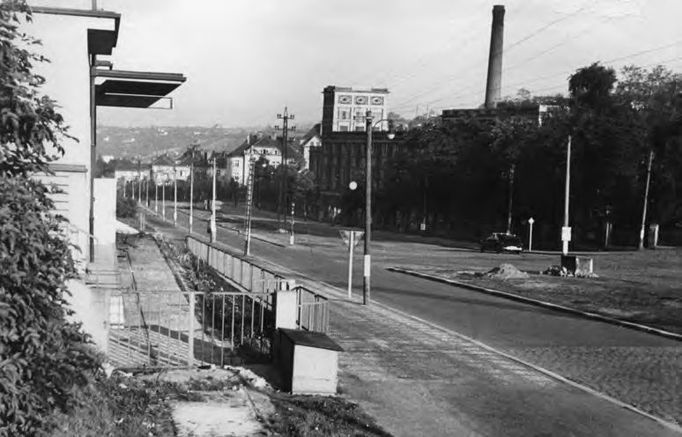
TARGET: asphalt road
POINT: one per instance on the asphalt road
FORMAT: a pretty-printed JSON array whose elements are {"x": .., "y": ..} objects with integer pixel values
[{"x": 635, "y": 367}]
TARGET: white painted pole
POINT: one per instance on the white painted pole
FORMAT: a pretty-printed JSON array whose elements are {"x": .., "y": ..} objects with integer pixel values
[
  {"x": 191, "y": 194},
  {"x": 565, "y": 239},
  {"x": 350, "y": 264},
  {"x": 213, "y": 218},
  {"x": 175, "y": 197},
  {"x": 163, "y": 199}
]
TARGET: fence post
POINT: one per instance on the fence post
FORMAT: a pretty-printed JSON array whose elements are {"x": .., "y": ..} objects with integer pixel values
[{"x": 190, "y": 331}]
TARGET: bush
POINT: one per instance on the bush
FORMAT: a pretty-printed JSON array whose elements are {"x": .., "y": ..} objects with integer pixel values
[
  {"x": 125, "y": 207},
  {"x": 42, "y": 355}
]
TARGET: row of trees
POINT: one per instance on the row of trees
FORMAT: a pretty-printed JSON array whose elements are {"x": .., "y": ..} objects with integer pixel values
[{"x": 463, "y": 177}]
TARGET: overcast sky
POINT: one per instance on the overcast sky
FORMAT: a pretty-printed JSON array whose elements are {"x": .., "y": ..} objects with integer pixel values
[{"x": 245, "y": 59}]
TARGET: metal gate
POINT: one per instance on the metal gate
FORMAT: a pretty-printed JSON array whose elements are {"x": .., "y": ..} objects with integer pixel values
[{"x": 179, "y": 329}]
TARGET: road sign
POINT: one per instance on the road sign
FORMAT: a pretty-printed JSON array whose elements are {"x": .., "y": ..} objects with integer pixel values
[
  {"x": 346, "y": 236},
  {"x": 531, "y": 220}
]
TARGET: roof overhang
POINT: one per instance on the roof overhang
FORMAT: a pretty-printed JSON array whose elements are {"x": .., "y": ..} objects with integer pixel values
[
  {"x": 100, "y": 41},
  {"x": 133, "y": 89}
]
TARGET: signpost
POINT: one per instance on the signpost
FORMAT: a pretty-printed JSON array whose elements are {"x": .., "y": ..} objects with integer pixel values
[{"x": 351, "y": 238}]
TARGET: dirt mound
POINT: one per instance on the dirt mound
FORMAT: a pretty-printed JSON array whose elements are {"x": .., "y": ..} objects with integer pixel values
[{"x": 506, "y": 271}]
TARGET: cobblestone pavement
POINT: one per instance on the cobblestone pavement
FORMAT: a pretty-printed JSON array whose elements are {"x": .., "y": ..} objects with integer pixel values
[
  {"x": 647, "y": 377},
  {"x": 419, "y": 379}
]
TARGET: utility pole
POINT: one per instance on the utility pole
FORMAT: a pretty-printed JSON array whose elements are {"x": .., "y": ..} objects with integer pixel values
[
  {"x": 191, "y": 193},
  {"x": 175, "y": 196},
  {"x": 512, "y": 169},
  {"x": 368, "y": 210},
  {"x": 249, "y": 206},
  {"x": 139, "y": 181},
  {"x": 156, "y": 196},
  {"x": 283, "y": 198},
  {"x": 146, "y": 192},
  {"x": 163, "y": 198},
  {"x": 566, "y": 230},
  {"x": 212, "y": 224},
  {"x": 646, "y": 200}
]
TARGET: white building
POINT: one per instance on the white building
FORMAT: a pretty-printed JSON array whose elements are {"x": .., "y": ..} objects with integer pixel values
[
  {"x": 254, "y": 148},
  {"x": 344, "y": 109}
]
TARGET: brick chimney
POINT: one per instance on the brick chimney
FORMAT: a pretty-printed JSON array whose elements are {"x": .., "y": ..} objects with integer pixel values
[{"x": 493, "y": 89}]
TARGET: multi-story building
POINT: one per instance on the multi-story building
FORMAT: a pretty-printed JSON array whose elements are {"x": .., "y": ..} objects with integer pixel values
[
  {"x": 255, "y": 147},
  {"x": 344, "y": 108},
  {"x": 341, "y": 157}
]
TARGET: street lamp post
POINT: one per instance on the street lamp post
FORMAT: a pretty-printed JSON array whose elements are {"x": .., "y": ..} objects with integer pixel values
[
  {"x": 367, "y": 266},
  {"x": 566, "y": 230}
]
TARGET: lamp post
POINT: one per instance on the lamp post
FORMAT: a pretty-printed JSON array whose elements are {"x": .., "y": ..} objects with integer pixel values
[
  {"x": 369, "y": 125},
  {"x": 156, "y": 196},
  {"x": 566, "y": 230}
]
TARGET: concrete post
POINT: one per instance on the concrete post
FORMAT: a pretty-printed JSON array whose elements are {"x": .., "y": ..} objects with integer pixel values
[{"x": 286, "y": 309}]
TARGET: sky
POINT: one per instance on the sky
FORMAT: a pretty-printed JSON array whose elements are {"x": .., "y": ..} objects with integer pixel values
[{"x": 246, "y": 59}]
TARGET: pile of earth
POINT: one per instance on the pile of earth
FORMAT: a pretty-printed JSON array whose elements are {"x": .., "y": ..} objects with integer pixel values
[{"x": 506, "y": 271}]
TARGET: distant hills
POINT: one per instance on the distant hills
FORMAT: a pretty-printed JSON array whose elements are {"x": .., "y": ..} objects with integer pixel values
[{"x": 146, "y": 142}]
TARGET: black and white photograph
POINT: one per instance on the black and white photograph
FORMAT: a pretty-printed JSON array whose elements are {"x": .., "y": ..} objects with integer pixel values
[{"x": 340, "y": 218}]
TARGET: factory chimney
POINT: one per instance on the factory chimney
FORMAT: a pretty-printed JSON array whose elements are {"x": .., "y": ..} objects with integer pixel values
[{"x": 493, "y": 89}]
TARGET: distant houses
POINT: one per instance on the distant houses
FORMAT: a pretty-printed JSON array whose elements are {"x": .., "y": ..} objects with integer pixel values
[
  {"x": 253, "y": 148},
  {"x": 233, "y": 165}
]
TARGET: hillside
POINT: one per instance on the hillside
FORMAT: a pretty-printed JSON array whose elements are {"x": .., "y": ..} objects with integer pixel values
[{"x": 145, "y": 142}]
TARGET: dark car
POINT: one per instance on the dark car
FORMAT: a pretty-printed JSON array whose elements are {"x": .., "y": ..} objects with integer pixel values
[{"x": 502, "y": 242}]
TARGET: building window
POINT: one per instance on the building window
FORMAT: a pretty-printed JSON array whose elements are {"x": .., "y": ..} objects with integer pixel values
[
  {"x": 343, "y": 128},
  {"x": 359, "y": 128}
]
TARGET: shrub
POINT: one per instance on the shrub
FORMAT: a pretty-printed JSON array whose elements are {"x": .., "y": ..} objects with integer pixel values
[
  {"x": 125, "y": 207},
  {"x": 42, "y": 355}
]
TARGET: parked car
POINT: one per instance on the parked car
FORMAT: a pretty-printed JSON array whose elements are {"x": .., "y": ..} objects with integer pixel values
[{"x": 502, "y": 242}]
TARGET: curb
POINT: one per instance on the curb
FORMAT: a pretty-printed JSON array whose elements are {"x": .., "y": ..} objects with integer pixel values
[
  {"x": 331, "y": 290},
  {"x": 543, "y": 304}
]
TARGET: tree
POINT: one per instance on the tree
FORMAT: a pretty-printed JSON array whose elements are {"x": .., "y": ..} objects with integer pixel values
[
  {"x": 654, "y": 96},
  {"x": 42, "y": 356}
]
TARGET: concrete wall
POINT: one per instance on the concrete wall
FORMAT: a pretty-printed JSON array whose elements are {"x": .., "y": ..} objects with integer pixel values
[
  {"x": 64, "y": 43},
  {"x": 105, "y": 211}
]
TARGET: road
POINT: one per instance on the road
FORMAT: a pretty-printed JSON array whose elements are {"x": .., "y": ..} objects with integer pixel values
[{"x": 637, "y": 368}]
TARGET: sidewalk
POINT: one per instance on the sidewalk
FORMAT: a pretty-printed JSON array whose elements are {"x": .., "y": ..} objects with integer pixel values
[{"x": 419, "y": 379}]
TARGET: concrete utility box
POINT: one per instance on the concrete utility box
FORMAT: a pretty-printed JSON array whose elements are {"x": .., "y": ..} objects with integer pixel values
[
  {"x": 308, "y": 361},
  {"x": 579, "y": 266}
]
